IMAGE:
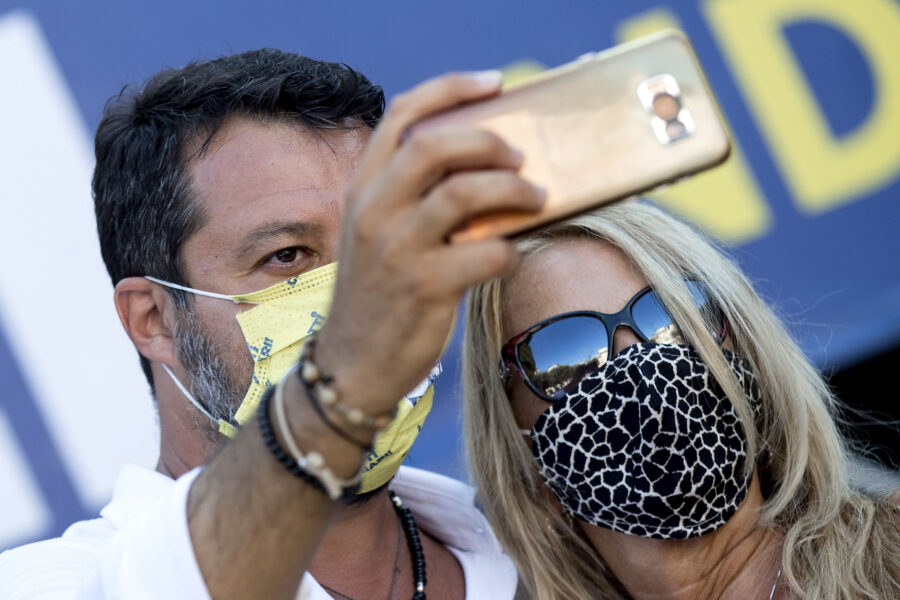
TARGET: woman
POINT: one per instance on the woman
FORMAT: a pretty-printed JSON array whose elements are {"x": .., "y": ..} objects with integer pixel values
[{"x": 678, "y": 452}]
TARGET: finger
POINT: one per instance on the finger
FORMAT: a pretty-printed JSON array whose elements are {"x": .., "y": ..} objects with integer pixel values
[
  {"x": 427, "y": 156},
  {"x": 464, "y": 195},
  {"x": 454, "y": 268},
  {"x": 434, "y": 95}
]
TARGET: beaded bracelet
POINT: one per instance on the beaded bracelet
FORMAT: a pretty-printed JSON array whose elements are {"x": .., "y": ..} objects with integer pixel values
[
  {"x": 321, "y": 388},
  {"x": 310, "y": 467},
  {"x": 265, "y": 427},
  {"x": 310, "y": 396},
  {"x": 314, "y": 461}
]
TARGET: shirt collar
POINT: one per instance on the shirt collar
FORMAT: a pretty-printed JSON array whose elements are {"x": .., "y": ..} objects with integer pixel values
[
  {"x": 136, "y": 489},
  {"x": 445, "y": 508}
]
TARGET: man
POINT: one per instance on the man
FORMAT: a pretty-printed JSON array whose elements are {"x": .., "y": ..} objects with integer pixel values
[{"x": 233, "y": 176}]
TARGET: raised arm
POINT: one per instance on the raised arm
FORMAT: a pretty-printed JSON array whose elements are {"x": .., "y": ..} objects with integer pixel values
[{"x": 254, "y": 526}]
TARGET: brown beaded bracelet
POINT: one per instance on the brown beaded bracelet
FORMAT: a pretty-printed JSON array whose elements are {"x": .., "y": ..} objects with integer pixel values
[
  {"x": 310, "y": 395},
  {"x": 322, "y": 393}
]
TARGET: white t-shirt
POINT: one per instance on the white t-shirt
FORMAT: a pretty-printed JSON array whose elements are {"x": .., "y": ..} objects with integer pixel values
[{"x": 140, "y": 546}]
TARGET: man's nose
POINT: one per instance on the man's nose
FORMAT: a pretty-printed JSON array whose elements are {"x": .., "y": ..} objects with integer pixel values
[{"x": 623, "y": 337}]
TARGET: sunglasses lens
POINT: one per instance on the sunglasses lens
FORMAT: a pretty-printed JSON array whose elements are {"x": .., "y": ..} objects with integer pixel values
[
  {"x": 558, "y": 356},
  {"x": 709, "y": 310},
  {"x": 656, "y": 324}
]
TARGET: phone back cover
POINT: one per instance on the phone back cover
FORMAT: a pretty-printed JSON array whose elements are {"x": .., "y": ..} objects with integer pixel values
[{"x": 587, "y": 136}]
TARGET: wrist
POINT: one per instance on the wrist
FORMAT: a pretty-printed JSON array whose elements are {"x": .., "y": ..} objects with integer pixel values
[
  {"x": 312, "y": 434},
  {"x": 344, "y": 389},
  {"x": 331, "y": 360}
]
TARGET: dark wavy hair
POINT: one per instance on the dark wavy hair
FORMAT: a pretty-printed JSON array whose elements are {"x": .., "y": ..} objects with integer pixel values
[{"x": 149, "y": 134}]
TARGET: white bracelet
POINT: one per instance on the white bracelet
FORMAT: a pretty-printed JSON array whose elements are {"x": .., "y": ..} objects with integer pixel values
[{"x": 313, "y": 462}]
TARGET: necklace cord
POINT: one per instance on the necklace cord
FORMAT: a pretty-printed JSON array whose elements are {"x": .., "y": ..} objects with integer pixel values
[
  {"x": 775, "y": 583},
  {"x": 396, "y": 563}
]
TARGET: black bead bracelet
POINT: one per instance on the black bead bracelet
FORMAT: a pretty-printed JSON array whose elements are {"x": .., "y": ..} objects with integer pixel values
[{"x": 268, "y": 436}]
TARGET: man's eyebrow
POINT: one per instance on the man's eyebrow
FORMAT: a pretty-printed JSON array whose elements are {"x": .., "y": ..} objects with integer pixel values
[{"x": 258, "y": 237}]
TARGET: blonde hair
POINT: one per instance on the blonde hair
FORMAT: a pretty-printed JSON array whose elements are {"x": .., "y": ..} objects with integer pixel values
[{"x": 838, "y": 543}]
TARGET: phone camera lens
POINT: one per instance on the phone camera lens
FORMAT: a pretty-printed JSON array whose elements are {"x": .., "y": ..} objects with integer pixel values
[
  {"x": 666, "y": 106},
  {"x": 675, "y": 129}
]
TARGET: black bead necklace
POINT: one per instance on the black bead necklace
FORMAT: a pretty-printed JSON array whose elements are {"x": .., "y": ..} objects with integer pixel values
[
  {"x": 415, "y": 550},
  {"x": 414, "y": 543}
]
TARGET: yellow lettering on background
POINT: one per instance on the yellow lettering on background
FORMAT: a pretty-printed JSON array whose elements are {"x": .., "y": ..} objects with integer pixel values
[
  {"x": 724, "y": 201},
  {"x": 822, "y": 172},
  {"x": 520, "y": 72}
]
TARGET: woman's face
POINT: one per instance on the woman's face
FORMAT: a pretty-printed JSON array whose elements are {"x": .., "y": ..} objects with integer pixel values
[
  {"x": 576, "y": 274},
  {"x": 583, "y": 274}
]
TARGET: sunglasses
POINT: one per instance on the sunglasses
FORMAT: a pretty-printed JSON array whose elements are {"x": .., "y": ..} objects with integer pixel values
[{"x": 553, "y": 356}]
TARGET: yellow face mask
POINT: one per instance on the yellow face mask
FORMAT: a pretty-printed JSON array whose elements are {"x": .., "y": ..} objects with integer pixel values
[{"x": 283, "y": 316}]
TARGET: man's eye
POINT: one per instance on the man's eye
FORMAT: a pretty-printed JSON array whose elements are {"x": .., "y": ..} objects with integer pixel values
[
  {"x": 287, "y": 255},
  {"x": 291, "y": 260}
]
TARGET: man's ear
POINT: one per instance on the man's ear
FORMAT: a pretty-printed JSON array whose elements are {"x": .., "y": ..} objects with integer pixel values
[{"x": 147, "y": 314}]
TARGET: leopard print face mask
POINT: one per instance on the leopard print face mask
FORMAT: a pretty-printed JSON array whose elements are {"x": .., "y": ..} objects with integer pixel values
[{"x": 649, "y": 445}]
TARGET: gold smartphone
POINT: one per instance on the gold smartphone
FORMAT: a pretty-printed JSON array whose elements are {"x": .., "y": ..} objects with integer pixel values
[{"x": 602, "y": 128}]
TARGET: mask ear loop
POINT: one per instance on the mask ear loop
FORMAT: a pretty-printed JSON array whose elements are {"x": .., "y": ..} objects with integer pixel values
[
  {"x": 192, "y": 290},
  {"x": 165, "y": 367},
  {"x": 187, "y": 394}
]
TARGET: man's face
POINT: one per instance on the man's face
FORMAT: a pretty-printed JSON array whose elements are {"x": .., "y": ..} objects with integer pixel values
[{"x": 271, "y": 196}]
